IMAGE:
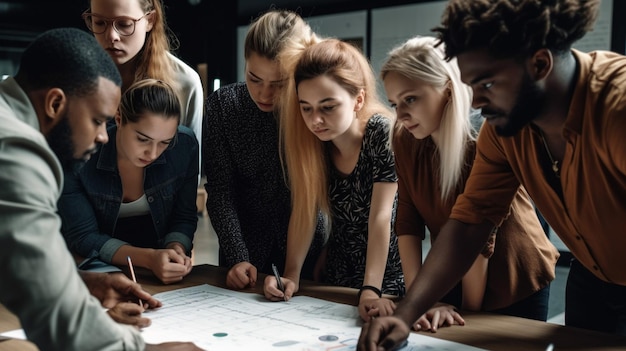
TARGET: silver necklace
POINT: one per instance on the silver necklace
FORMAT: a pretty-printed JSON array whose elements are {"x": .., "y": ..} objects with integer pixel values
[{"x": 555, "y": 163}]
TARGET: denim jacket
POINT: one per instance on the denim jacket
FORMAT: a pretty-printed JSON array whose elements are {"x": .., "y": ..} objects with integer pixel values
[{"x": 92, "y": 196}]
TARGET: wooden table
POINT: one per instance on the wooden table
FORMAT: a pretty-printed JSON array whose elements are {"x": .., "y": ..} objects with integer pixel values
[{"x": 483, "y": 330}]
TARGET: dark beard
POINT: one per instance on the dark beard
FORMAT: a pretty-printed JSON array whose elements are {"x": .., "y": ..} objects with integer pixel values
[
  {"x": 60, "y": 141},
  {"x": 528, "y": 106}
]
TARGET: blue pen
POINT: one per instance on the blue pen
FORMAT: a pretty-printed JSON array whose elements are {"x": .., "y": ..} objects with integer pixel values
[{"x": 279, "y": 281}]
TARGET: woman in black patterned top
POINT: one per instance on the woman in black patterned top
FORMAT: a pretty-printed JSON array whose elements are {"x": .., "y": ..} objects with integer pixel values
[
  {"x": 336, "y": 136},
  {"x": 248, "y": 199}
]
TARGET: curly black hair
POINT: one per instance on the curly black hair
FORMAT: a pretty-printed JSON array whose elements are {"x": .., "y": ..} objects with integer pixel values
[
  {"x": 515, "y": 28},
  {"x": 66, "y": 58}
]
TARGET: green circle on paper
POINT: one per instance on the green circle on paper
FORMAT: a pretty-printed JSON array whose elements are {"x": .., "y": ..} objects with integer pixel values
[{"x": 220, "y": 335}]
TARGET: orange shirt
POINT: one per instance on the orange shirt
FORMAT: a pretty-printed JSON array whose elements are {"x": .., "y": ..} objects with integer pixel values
[
  {"x": 523, "y": 259},
  {"x": 591, "y": 219}
]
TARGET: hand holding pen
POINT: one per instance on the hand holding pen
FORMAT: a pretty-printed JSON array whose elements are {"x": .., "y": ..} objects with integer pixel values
[
  {"x": 279, "y": 281},
  {"x": 129, "y": 313},
  {"x": 113, "y": 288}
]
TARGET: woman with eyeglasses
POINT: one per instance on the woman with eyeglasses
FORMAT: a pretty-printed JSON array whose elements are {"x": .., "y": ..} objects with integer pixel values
[
  {"x": 136, "y": 36},
  {"x": 135, "y": 197}
]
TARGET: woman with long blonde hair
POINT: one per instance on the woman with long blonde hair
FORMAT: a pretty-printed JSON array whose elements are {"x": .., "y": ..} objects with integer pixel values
[
  {"x": 435, "y": 146},
  {"x": 335, "y": 133}
]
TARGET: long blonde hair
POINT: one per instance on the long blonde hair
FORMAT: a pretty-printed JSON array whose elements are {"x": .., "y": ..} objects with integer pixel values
[
  {"x": 421, "y": 58},
  {"x": 304, "y": 154}
]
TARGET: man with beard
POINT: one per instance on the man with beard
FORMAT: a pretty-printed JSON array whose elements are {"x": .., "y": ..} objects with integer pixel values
[
  {"x": 53, "y": 112},
  {"x": 556, "y": 125}
]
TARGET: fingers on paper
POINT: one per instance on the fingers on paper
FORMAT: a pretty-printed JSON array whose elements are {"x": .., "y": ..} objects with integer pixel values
[
  {"x": 129, "y": 313},
  {"x": 376, "y": 335},
  {"x": 271, "y": 290}
]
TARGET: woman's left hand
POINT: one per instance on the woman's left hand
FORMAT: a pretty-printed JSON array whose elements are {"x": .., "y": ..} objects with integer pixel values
[{"x": 375, "y": 307}]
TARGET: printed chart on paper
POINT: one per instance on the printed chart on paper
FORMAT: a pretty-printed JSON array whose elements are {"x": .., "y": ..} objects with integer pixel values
[{"x": 221, "y": 319}]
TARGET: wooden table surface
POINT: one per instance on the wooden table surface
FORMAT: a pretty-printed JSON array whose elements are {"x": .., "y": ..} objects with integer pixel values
[{"x": 482, "y": 330}]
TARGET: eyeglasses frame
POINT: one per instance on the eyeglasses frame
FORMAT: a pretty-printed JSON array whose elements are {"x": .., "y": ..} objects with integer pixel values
[{"x": 112, "y": 21}]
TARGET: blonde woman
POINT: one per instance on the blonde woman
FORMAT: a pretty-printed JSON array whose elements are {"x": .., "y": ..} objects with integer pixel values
[
  {"x": 248, "y": 198},
  {"x": 335, "y": 133},
  {"x": 435, "y": 146}
]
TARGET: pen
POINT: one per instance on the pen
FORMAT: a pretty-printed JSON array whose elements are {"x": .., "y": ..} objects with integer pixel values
[
  {"x": 279, "y": 281},
  {"x": 132, "y": 274}
]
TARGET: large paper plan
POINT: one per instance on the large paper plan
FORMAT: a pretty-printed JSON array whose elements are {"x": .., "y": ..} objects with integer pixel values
[{"x": 220, "y": 319}]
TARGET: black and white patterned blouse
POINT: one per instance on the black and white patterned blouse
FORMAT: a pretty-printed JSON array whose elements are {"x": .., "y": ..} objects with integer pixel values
[
  {"x": 248, "y": 199},
  {"x": 350, "y": 205}
]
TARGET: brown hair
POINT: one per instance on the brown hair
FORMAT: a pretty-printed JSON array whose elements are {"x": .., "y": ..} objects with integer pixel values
[
  {"x": 153, "y": 61},
  {"x": 149, "y": 96},
  {"x": 271, "y": 32}
]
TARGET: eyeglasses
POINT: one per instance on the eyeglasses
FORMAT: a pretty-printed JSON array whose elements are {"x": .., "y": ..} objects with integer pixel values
[{"x": 123, "y": 25}]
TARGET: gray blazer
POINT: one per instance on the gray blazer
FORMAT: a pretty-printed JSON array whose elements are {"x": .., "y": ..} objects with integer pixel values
[{"x": 38, "y": 279}]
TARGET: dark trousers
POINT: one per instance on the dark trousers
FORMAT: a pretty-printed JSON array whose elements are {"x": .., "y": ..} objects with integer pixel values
[
  {"x": 592, "y": 303},
  {"x": 534, "y": 306}
]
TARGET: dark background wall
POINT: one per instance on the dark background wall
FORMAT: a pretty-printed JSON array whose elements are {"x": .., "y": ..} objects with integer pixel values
[{"x": 206, "y": 29}]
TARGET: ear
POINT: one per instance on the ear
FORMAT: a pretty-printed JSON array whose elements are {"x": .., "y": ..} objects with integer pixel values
[
  {"x": 540, "y": 64},
  {"x": 360, "y": 101},
  {"x": 448, "y": 89},
  {"x": 118, "y": 118},
  {"x": 150, "y": 21},
  {"x": 54, "y": 108}
]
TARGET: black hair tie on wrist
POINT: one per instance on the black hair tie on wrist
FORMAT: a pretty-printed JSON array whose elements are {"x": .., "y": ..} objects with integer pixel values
[{"x": 368, "y": 287}]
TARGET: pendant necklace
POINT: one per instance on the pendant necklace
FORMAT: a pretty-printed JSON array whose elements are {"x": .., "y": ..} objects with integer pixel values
[{"x": 555, "y": 163}]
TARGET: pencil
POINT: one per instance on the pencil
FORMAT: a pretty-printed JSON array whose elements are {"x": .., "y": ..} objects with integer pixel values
[{"x": 132, "y": 274}]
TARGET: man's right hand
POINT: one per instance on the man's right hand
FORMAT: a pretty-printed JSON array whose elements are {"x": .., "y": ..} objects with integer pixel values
[
  {"x": 129, "y": 313},
  {"x": 383, "y": 333},
  {"x": 113, "y": 288}
]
